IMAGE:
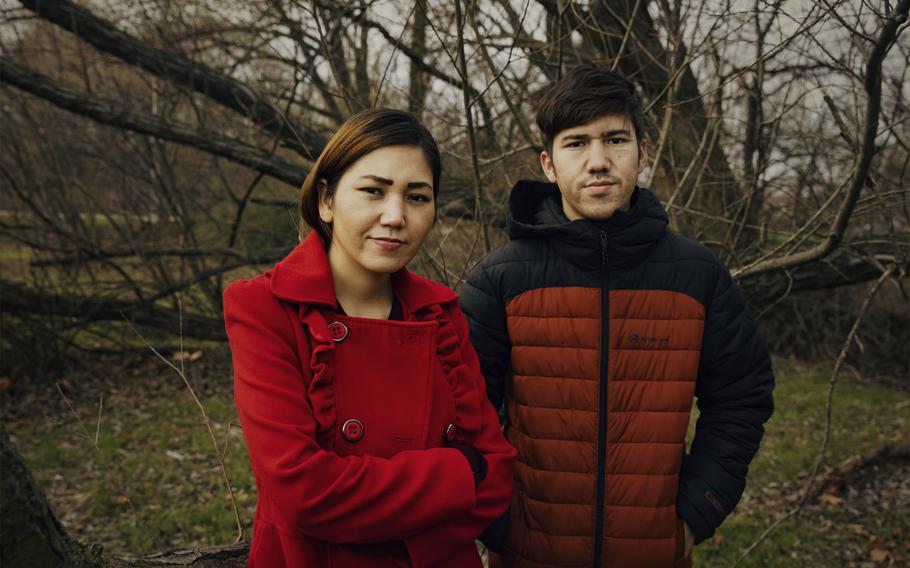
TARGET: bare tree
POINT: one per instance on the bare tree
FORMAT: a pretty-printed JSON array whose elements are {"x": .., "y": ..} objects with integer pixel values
[{"x": 152, "y": 150}]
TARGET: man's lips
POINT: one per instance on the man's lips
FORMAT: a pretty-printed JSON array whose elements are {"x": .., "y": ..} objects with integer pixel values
[{"x": 601, "y": 183}]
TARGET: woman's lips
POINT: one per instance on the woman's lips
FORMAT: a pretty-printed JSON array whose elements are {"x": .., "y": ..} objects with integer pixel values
[{"x": 388, "y": 244}]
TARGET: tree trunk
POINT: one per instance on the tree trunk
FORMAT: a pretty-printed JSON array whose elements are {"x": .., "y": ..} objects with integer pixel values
[{"x": 30, "y": 535}]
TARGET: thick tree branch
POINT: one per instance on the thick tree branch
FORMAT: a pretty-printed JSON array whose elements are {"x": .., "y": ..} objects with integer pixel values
[
  {"x": 19, "y": 299},
  {"x": 214, "y": 84},
  {"x": 111, "y": 113},
  {"x": 848, "y": 265},
  {"x": 81, "y": 257}
]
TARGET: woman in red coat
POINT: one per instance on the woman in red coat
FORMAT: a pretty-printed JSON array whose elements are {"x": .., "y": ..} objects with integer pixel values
[{"x": 360, "y": 396}]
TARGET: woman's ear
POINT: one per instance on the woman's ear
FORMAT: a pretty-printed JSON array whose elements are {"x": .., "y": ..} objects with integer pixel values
[{"x": 325, "y": 201}]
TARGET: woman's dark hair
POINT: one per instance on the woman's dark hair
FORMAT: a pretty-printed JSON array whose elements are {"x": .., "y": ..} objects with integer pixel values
[
  {"x": 359, "y": 135},
  {"x": 585, "y": 93}
]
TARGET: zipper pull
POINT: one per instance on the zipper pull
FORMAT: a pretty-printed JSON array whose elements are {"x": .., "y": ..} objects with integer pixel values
[{"x": 604, "y": 256}]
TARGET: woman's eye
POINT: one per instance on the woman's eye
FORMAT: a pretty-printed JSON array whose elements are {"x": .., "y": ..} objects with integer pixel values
[
  {"x": 419, "y": 197},
  {"x": 372, "y": 190}
]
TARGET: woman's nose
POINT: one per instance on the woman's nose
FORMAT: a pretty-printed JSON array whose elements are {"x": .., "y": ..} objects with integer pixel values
[{"x": 392, "y": 212}]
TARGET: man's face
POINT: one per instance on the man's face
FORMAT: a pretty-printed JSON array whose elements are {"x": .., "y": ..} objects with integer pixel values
[{"x": 596, "y": 165}]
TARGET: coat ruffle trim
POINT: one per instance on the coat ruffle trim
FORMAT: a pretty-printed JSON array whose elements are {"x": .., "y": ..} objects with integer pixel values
[
  {"x": 320, "y": 391},
  {"x": 465, "y": 389}
]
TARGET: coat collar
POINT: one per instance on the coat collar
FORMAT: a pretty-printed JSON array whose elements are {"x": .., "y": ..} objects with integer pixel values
[
  {"x": 304, "y": 277},
  {"x": 535, "y": 212}
]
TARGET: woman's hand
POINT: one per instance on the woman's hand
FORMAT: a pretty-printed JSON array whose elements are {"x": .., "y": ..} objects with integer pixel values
[{"x": 476, "y": 460}]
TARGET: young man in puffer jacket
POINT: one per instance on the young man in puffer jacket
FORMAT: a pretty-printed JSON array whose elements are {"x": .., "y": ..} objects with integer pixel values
[{"x": 596, "y": 327}]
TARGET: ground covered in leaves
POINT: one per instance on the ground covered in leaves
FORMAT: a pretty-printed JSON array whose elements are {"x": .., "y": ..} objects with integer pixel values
[{"x": 122, "y": 451}]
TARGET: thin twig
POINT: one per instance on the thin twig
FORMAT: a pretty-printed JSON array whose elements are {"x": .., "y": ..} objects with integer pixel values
[
  {"x": 385, "y": 72},
  {"x": 205, "y": 417},
  {"x": 479, "y": 202},
  {"x": 832, "y": 382},
  {"x": 120, "y": 487},
  {"x": 98, "y": 425}
]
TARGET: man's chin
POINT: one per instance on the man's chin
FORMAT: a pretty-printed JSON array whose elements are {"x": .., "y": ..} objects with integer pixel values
[{"x": 598, "y": 213}]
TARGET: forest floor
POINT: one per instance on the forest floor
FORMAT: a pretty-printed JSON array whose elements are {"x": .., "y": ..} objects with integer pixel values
[{"x": 122, "y": 452}]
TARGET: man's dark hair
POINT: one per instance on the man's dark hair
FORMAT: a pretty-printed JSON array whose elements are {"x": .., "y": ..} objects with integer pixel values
[{"x": 583, "y": 94}]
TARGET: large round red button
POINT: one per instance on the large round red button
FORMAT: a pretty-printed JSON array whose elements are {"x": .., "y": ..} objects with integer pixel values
[
  {"x": 352, "y": 430},
  {"x": 451, "y": 432},
  {"x": 338, "y": 330}
]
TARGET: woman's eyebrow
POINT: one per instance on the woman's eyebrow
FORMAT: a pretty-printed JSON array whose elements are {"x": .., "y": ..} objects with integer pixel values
[
  {"x": 387, "y": 181},
  {"x": 382, "y": 180}
]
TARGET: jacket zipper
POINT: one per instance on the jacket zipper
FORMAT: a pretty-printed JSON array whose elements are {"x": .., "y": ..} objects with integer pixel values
[{"x": 602, "y": 402}]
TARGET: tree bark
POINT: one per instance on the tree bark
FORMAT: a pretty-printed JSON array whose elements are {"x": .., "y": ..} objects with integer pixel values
[{"x": 417, "y": 80}]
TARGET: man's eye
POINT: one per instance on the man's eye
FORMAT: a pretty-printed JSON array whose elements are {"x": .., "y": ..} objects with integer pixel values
[
  {"x": 616, "y": 140},
  {"x": 576, "y": 144}
]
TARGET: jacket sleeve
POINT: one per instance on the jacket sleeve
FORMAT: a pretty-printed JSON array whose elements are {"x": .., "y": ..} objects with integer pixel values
[
  {"x": 312, "y": 491},
  {"x": 486, "y": 315},
  {"x": 494, "y": 493},
  {"x": 733, "y": 387}
]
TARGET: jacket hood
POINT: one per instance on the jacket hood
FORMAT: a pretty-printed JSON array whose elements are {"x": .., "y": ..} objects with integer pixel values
[
  {"x": 535, "y": 212},
  {"x": 305, "y": 277}
]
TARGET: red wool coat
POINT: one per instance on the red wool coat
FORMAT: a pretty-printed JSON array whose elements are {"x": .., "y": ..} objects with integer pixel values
[{"x": 346, "y": 420}]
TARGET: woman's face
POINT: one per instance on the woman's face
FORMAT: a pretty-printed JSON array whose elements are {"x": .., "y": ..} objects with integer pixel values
[{"x": 381, "y": 210}]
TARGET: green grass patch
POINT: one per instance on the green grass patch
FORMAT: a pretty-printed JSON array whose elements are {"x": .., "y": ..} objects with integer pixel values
[
  {"x": 153, "y": 483},
  {"x": 864, "y": 416}
]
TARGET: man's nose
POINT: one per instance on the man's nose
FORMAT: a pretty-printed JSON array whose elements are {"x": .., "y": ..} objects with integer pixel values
[{"x": 598, "y": 160}]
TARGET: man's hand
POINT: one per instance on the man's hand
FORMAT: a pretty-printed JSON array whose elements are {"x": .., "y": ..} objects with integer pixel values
[{"x": 690, "y": 539}]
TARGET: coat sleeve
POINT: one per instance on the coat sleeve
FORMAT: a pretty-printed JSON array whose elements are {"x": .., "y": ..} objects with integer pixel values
[
  {"x": 489, "y": 332},
  {"x": 315, "y": 492},
  {"x": 494, "y": 493},
  {"x": 734, "y": 388}
]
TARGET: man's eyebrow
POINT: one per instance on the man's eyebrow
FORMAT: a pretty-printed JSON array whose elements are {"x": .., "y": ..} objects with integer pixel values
[
  {"x": 578, "y": 136},
  {"x": 387, "y": 181},
  {"x": 621, "y": 131}
]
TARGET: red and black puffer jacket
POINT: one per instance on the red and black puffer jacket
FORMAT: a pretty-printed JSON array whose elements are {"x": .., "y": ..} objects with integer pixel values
[{"x": 596, "y": 336}]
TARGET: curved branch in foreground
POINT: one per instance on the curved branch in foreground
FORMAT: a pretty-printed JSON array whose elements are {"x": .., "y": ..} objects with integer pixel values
[
  {"x": 172, "y": 66},
  {"x": 873, "y": 86},
  {"x": 18, "y": 299},
  {"x": 110, "y": 113},
  {"x": 848, "y": 265}
]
